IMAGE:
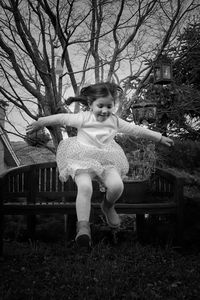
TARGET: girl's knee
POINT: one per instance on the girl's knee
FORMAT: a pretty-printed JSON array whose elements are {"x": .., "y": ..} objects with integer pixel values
[
  {"x": 85, "y": 189},
  {"x": 114, "y": 184},
  {"x": 115, "y": 188},
  {"x": 84, "y": 185}
]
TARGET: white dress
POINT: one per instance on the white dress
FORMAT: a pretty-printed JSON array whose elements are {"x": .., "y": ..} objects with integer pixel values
[{"x": 94, "y": 149}]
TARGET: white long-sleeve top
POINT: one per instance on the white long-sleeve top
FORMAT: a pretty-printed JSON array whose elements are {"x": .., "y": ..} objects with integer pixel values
[{"x": 95, "y": 133}]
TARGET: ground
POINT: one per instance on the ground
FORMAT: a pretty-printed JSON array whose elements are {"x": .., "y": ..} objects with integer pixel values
[{"x": 119, "y": 266}]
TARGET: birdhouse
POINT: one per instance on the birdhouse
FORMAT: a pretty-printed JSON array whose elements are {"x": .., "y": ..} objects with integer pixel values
[
  {"x": 144, "y": 112},
  {"x": 162, "y": 70}
]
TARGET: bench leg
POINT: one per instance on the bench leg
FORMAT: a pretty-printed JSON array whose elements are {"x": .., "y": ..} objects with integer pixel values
[
  {"x": 31, "y": 225},
  {"x": 140, "y": 223},
  {"x": 71, "y": 221},
  {"x": 1, "y": 233},
  {"x": 179, "y": 230}
]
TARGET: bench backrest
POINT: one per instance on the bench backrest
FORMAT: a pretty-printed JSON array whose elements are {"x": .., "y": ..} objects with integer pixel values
[{"x": 40, "y": 182}]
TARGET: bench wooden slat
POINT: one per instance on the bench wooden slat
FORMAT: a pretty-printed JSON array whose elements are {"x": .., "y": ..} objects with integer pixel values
[{"x": 65, "y": 208}]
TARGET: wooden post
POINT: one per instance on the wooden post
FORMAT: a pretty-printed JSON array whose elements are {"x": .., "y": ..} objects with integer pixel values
[
  {"x": 71, "y": 227},
  {"x": 32, "y": 186},
  {"x": 2, "y": 198},
  {"x": 1, "y": 232},
  {"x": 179, "y": 198},
  {"x": 140, "y": 223}
]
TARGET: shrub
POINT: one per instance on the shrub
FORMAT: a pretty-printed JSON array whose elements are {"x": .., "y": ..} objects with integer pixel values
[
  {"x": 184, "y": 155},
  {"x": 38, "y": 138},
  {"x": 141, "y": 156}
]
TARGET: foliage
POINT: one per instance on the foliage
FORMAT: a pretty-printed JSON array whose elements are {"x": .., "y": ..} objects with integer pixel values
[
  {"x": 38, "y": 139},
  {"x": 187, "y": 66},
  {"x": 184, "y": 155},
  {"x": 141, "y": 157},
  {"x": 177, "y": 106},
  {"x": 187, "y": 76}
]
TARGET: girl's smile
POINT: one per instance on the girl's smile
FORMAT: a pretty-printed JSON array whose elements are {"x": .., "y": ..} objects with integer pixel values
[{"x": 102, "y": 108}]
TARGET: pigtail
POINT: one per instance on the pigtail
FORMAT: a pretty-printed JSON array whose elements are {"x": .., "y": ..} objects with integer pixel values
[
  {"x": 114, "y": 89},
  {"x": 80, "y": 99},
  {"x": 85, "y": 91}
]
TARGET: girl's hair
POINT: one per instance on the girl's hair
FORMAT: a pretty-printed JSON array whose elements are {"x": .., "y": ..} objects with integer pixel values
[{"x": 92, "y": 92}]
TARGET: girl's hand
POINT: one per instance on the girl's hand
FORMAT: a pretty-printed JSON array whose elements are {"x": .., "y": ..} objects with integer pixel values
[
  {"x": 33, "y": 127},
  {"x": 166, "y": 141}
]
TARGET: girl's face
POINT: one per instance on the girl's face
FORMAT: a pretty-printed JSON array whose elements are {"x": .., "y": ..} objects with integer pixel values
[{"x": 102, "y": 108}]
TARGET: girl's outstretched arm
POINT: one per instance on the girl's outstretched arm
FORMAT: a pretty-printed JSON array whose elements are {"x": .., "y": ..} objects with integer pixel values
[
  {"x": 66, "y": 119},
  {"x": 46, "y": 121},
  {"x": 141, "y": 132}
]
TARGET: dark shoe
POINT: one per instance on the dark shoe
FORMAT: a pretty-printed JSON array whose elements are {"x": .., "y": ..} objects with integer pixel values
[
  {"x": 112, "y": 218},
  {"x": 83, "y": 237}
]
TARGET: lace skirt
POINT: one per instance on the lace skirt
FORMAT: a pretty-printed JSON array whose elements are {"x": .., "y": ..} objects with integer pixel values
[{"x": 73, "y": 158}]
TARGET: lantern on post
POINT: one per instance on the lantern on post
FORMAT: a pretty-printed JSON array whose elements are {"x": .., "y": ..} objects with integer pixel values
[{"x": 162, "y": 70}]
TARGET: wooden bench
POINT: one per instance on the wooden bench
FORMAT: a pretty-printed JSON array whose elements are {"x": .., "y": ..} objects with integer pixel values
[{"x": 36, "y": 189}]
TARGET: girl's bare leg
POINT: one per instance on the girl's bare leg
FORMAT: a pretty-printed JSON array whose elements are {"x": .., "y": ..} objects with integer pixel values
[
  {"x": 83, "y": 199},
  {"x": 83, "y": 207}
]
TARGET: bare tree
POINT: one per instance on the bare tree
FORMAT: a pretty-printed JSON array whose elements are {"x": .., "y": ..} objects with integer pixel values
[{"x": 96, "y": 39}]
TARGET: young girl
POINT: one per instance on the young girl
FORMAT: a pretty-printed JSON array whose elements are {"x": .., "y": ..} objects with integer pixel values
[{"x": 93, "y": 153}]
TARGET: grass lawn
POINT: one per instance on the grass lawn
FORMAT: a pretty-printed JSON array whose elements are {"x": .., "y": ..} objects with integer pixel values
[{"x": 116, "y": 268}]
